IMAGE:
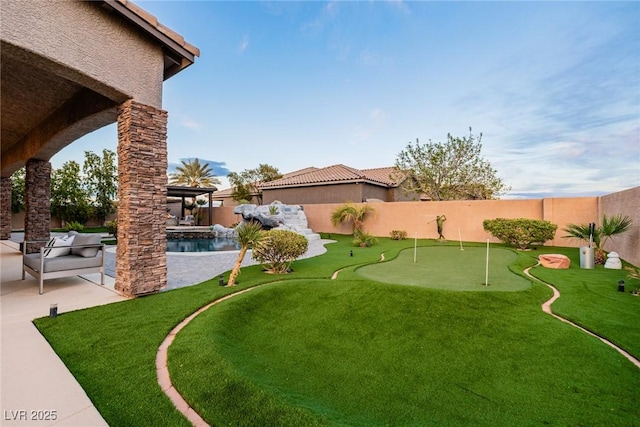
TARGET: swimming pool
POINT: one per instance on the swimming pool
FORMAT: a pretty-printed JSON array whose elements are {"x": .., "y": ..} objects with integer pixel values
[{"x": 202, "y": 245}]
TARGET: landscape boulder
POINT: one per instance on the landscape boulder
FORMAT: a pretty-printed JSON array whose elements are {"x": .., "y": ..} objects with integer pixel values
[{"x": 554, "y": 261}]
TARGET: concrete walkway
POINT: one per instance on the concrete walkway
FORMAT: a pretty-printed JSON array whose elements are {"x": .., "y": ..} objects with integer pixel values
[{"x": 34, "y": 383}]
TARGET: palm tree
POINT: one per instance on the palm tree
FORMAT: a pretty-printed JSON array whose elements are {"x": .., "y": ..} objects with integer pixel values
[
  {"x": 611, "y": 226},
  {"x": 249, "y": 235},
  {"x": 193, "y": 174},
  {"x": 350, "y": 212}
]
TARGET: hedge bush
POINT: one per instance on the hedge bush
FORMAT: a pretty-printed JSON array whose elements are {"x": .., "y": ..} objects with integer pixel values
[
  {"x": 279, "y": 250},
  {"x": 520, "y": 232}
]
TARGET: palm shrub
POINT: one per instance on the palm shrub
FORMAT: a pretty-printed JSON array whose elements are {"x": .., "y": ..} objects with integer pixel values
[
  {"x": 398, "y": 234},
  {"x": 352, "y": 213},
  {"x": 250, "y": 235},
  {"x": 279, "y": 250},
  {"x": 520, "y": 232},
  {"x": 611, "y": 226},
  {"x": 363, "y": 239}
]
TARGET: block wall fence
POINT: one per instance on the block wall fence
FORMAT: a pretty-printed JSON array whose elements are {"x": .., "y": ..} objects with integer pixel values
[
  {"x": 465, "y": 217},
  {"x": 418, "y": 218}
]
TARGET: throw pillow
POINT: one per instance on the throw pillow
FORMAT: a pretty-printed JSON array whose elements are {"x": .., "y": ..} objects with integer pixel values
[
  {"x": 60, "y": 246},
  {"x": 86, "y": 239}
]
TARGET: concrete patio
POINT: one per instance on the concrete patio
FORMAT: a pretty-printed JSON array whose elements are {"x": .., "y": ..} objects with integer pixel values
[
  {"x": 33, "y": 378},
  {"x": 35, "y": 382}
]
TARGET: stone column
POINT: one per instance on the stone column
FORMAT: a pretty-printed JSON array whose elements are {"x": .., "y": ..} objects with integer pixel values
[
  {"x": 37, "y": 201},
  {"x": 141, "y": 262},
  {"x": 5, "y": 208}
]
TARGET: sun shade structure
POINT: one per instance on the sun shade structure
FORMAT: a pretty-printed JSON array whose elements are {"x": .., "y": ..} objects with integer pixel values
[
  {"x": 69, "y": 68},
  {"x": 184, "y": 192}
]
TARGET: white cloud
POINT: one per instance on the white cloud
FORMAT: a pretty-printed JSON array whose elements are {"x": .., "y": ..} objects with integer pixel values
[{"x": 244, "y": 44}]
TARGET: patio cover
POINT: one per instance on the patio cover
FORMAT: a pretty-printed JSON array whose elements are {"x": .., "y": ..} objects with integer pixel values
[{"x": 183, "y": 192}]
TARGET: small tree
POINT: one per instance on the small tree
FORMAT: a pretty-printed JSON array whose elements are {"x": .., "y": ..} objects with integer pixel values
[
  {"x": 17, "y": 190},
  {"x": 351, "y": 213},
  {"x": 280, "y": 249},
  {"x": 520, "y": 232},
  {"x": 101, "y": 178},
  {"x": 451, "y": 171},
  {"x": 249, "y": 235},
  {"x": 611, "y": 226},
  {"x": 247, "y": 183},
  {"x": 69, "y": 200}
]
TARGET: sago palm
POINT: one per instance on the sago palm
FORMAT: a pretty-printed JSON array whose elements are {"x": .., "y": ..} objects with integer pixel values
[
  {"x": 351, "y": 213},
  {"x": 611, "y": 226},
  {"x": 249, "y": 235}
]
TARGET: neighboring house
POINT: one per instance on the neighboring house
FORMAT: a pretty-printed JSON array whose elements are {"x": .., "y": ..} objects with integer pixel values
[{"x": 334, "y": 184}]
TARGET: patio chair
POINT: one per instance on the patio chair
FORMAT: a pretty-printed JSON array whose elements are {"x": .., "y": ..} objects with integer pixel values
[{"x": 188, "y": 220}]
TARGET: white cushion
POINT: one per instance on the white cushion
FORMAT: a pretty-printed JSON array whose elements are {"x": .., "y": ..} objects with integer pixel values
[{"x": 61, "y": 246}]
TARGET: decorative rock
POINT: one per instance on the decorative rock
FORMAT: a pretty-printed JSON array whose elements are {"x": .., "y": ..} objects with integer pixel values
[
  {"x": 556, "y": 261},
  {"x": 613, "y": 261},
  {"x": 276, "y": 216}
]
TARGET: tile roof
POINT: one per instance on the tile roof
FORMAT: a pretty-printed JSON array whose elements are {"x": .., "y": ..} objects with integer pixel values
[{"x": 335, "y": 174}]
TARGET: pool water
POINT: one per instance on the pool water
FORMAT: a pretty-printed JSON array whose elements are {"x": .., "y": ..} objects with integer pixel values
[{"x": 202, "y": 245}]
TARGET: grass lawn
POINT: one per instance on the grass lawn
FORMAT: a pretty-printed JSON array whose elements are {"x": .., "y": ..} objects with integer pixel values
[
  {"x": 351, "y": 351},
  {"x": 449, "y": 268}
]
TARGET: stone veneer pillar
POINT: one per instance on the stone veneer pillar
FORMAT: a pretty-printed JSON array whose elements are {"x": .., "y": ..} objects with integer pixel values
[
  {"x": 5, "y": 208},
  {"x": 37, "y": 201},
  {"x": 141, "y": 261}
]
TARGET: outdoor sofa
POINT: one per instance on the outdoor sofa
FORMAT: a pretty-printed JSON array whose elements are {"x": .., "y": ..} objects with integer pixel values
[{"x": 70, "y": 255}]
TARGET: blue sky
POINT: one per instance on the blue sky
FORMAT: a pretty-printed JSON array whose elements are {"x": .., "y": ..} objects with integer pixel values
[{"x": 554, "y": 87}]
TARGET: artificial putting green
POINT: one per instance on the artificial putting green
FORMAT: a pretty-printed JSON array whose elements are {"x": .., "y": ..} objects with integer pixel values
[{"x": 450, "y": 268}]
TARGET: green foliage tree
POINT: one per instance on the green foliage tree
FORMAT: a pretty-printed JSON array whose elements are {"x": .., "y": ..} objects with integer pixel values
[
  {"x": 279, "y": 250},
  {"x": 610, "y": 226},
  {"x": 192, "y": 173},
  {"x": 17, "y": 190},
  {"x": 69, "y": 199},
  {"x": 351, "y": 213},
  {"x": 454, "y": 170},
  {"x": 247, "y": 183},
  {"x": 250, "y": 235},
  {"x": 520, "y": 232},
  {"x": 101, "y": 180}
]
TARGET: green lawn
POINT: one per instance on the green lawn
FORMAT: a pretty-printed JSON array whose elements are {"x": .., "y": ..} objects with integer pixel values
[
  {"x": 449, "y": 268},
  {"x": 352, "y": 351}
]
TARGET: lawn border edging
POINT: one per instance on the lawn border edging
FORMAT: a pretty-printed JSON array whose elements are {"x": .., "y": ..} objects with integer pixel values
[{"x": 546, "y": 307}]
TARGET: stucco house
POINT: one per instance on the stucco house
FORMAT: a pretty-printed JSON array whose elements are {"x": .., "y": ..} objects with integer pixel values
[
  {"x": 69, "y": 68},
  {"x": 331, "y": 184}
]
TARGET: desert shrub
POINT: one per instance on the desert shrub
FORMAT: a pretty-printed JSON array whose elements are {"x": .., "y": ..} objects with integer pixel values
[
  {"x": 398, "y": 234},
  {"x": 279, "y": 250},
  {"x": 363, "y": 239},
  {"x": 73, "y": 225},
  {"x": 520, "y": 232}
]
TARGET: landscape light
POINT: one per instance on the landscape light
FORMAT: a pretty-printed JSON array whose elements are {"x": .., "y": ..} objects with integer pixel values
[
  {"x": 221, "y": 280},
  {"x": 53, "y": 310},
  {"x": 620, "y": 285}
]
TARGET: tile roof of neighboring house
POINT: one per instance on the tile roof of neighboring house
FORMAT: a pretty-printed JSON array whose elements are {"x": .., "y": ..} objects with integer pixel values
[{"x": 333, "y": 175}]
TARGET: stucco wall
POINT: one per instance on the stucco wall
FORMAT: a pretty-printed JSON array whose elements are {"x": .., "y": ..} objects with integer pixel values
[
  {"x": 626, "y": 203},
  {"x": 79, "y": 41},
  {"x": 418, "y": 218}
]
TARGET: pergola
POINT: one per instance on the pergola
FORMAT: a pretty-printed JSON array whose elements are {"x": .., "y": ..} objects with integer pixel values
[{"x": 183, "y": 192}]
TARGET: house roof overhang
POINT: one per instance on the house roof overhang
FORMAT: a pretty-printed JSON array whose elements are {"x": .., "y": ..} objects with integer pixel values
[{"x": 178, "y": 54}]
